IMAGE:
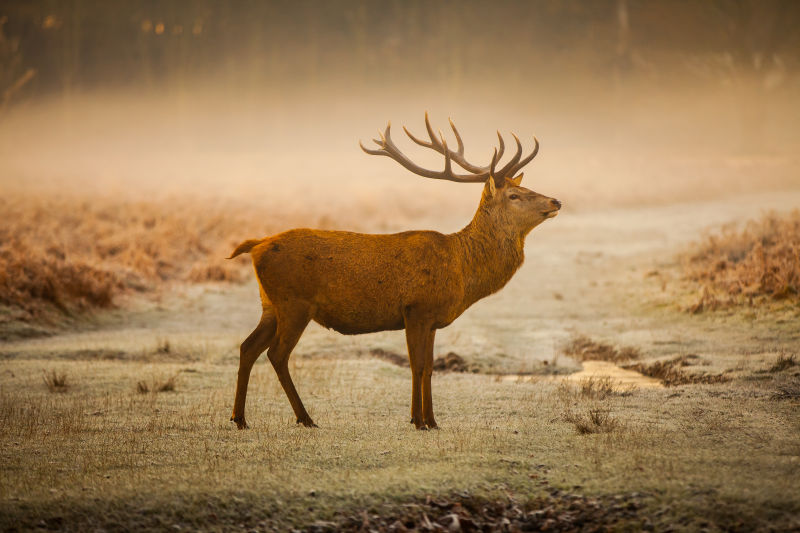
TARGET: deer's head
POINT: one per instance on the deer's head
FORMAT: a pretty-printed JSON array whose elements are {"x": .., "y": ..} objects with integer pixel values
[
  {"x": 515, "y": 208},
  {"x": 507, "y": 204}
]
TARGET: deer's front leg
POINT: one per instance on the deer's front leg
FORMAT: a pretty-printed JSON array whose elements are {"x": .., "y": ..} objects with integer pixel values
[
  {"x": 427, "y": 372},
  {"x": 417, "y": 334}
]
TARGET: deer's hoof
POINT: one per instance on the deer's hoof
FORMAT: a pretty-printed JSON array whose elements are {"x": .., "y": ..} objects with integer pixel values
[
  {"x": 307, "y": 423},
  {"x": 419, "y": 425},
  {"x": 240, "y": 423}
]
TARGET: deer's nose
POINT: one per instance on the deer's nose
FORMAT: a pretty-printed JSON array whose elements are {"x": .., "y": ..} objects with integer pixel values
[{"x": 556, "y": 203}]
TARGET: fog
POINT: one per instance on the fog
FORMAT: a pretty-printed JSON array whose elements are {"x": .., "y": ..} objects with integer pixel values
[{"x": 634, "y": 103}]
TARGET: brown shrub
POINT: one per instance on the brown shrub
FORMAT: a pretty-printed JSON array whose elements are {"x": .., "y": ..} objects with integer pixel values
[
  {"x": 736, "y": 266},
  {"x": 29, "y": 278}
]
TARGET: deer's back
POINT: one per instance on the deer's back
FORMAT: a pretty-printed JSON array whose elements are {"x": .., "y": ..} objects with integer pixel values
[{"x": 358, "y": 283}]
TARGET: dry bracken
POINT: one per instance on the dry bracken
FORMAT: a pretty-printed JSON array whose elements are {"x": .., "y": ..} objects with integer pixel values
[
  {"x": 79, "y": 253},
  {"x": 738, "y": 266}
]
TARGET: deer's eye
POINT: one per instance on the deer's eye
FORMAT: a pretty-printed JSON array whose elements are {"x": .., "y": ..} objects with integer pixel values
[{"x": 514, "y": 196}]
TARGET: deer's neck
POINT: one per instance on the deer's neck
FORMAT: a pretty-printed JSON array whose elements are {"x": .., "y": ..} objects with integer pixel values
[{"x": 491, "y": 254}]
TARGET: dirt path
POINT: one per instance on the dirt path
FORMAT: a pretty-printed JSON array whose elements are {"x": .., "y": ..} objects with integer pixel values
[{"x": 585, "y": 273}]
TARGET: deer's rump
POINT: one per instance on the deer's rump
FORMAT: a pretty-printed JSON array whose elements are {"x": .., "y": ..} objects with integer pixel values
[{"x": 360, "y": 283}]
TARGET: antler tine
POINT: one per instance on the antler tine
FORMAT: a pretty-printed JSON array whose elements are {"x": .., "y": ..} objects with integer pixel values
[
  {"x": 502, "y": 149},
  {"x": 433, "y": 144},
  {"x": 458, "y": 137},
  {"x": 447, "y": 168},
  {"x": 431, "y": 134},
  {"x": 501, "y": 174},
  {"x": 494, "y": 162},
  {"x": 527, "y": 159},
  {"x": 417, "y": 140}
]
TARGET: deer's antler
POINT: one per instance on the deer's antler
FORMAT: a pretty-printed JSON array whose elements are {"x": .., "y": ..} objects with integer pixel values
[
  {"x": 477, "y": 173},
  {"x": 387, "y": 147}
]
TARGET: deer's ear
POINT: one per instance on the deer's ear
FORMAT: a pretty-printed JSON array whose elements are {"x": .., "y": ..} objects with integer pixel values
[
  {"x": 516, "y": 181},
  {"x": 490, "y": 188}
]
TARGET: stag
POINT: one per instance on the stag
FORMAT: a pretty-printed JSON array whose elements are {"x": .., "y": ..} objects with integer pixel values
[{"x": 419, "y": 281}]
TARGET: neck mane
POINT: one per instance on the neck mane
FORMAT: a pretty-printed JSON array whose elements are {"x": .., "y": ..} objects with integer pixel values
[{"x": 491, "y": 252}]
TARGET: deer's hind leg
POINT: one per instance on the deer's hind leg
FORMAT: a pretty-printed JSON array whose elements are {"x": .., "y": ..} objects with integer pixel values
[
  {"x": 249, "y": 351},
  {"x": 292, "y": 321}
]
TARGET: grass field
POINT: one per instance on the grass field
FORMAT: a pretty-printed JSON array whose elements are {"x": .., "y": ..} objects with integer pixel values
[
  {"x": 104, "y": 454},
  {"x": 120, "y": 420}
]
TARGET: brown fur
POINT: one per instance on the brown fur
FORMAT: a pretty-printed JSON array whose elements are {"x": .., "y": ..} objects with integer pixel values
[{"x": 354, "y": 283}]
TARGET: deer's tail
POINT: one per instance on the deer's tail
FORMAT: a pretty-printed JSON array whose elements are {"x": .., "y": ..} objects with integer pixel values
[{"x": 245, "y": 247}]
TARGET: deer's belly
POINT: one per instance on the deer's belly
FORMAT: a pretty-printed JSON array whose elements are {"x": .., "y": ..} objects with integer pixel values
[
  {"x": 355, "y": 321},
  {"x": 371, "y": 316}
]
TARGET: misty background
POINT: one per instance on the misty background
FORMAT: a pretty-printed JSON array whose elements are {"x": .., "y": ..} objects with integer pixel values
[{"x": 635, "y": 102}]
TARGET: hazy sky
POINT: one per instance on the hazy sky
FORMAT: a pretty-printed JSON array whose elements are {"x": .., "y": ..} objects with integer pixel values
[{"x": 634, "y": 102}]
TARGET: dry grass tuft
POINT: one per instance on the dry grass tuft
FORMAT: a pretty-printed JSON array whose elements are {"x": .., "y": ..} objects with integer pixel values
[
  {"x": 55, "y": 381},
  {"x": 166, "y": 386},
  {"x": 671, "y": 373},
  {"x": 158, "y": 385},
  {"x": 163, "y": 347},
  {"x": 79, "y": 253},
  {"x": 602, "y": 388},
  {"x": 582, "y": 348},
  {"x": 735, "y": 267},
  {"x": 783, "y": 362},
  {"x": 594, "y": 420}
]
